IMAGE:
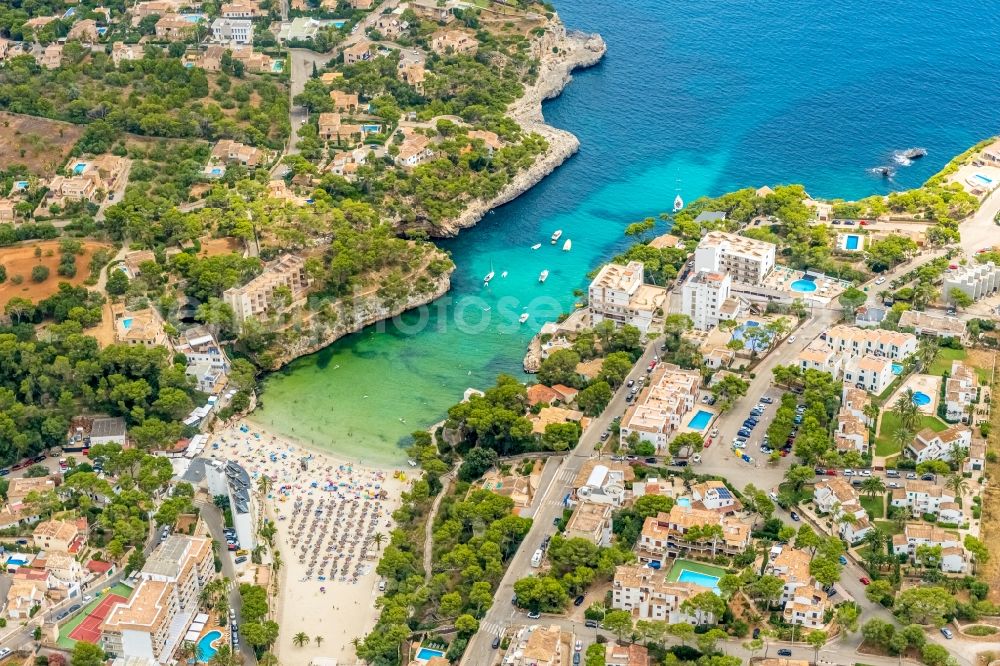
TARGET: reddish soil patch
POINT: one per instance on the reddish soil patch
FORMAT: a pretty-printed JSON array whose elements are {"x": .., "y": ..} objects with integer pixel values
[
  {"x": 213, "y": 246},
  {"x": 40, "y": 144},
  {"x": 20, "y": 259}
]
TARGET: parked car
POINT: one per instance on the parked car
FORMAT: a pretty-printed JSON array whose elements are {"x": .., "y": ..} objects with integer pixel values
[
  {"x": 947, "y": 633},
  {"x": 4, "y": 652},
  {"x": 848, "y": 472},
  {"x": 795, "y": 516},
  {"x": 842, "y": 559},
  {"x": 496, "y": 642},
  {"x": 578, "y": 601},
  {"x": 579, "y": 645},
  {"x": 766, "y": 400},
  {"x": 241, "y": 559},
  {"x": 791, "y": 339},
  {"x": 4, "y": 471},
  {"x": 605, "y": 435},
  {"x": 630, "y": 383},
  {"x": 911, "y": 475},
  {"x": 590, "y": 624},
  {"x": 892, "y": 474},
  {"x": 74, "y": 608},
  {"x": 784, "y": 652},
  {"x": 927, "y": 477},
  {"x": 576, "y": 658},
  {"x": 680, "y": 463},
  {"x": 534, "y": 615},
  {"x": 756, "y": 632},
  {"x": 865, "y": 580},
  {"x": 651, "y": 461},
  {"x": 232, "y": 546}
]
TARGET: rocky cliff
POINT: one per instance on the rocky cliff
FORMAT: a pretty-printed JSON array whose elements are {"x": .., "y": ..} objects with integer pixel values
[{"x": 561, "y": 53}]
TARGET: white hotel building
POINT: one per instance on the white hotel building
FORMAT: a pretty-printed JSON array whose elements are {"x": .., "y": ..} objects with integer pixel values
[
  {"x": 618, "y": 294},
  {"x": 706, "y": 299},
  {"x": 746, "y": 260},
  {"x": 975, "y": 280}
]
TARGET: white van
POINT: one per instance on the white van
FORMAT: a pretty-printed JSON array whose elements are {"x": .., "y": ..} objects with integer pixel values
[{"x": 536, "y": 559}]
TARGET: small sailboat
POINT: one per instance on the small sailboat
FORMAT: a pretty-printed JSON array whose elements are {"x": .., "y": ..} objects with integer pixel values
[
  {"x": 543, "y": 275},
  {"x": 536, "y": 246},
  {"x": 678, "y": 203},
  {"x": 504, "y": 274},
  {"x": 568, "y": 245},
  {"x": 523, "y": 318},
  {"x": 556, "y": 236},
  {"x": 489, "y": 276}
]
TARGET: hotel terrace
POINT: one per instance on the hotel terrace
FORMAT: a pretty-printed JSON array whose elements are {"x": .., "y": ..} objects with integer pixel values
[
  {"x": 648, "y": 595},
  {"x": 619, "y": 295},
  {"x": 662, "y": 535},
  {"x": 660, "y": 410}
]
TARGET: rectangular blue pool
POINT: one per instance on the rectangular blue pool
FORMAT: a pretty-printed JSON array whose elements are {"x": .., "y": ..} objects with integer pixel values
[
  {"x": 700, "y": 420},
  {"x": 704, "y": 580},
  {"x": 426, "y": 654},
  {"x": 852, "y": 241},
  {"x": 897, "y": 369}
]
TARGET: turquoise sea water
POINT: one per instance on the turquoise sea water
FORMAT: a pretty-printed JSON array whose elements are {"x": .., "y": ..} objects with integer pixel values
[{"x": 696, "y": 98}]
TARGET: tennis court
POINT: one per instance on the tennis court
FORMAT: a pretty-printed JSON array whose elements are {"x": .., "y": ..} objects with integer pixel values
[
  {"x": 86, "y": 625},
  {"x": 90, "y": 629}
]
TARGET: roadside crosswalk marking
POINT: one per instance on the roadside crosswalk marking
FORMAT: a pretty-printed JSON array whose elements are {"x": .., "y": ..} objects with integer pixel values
[{"x": 491, "y": 628}]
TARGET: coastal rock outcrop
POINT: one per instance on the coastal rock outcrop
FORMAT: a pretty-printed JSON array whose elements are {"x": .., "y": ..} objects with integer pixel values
[
  {"x": 352, "y": 315},
  {"x": 562, "y": 52}
]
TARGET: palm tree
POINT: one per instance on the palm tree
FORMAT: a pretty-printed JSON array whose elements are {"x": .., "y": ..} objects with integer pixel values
[
  {"x": 318, "y": 640},
  {"x": 906, "y": 409},
  {"x": 871, "y": 411},
  {"x": 902, "y": 516},
  {"x": 902, "y": 436},
  {"x": 924, "y": 293},
  {"x": 264, "y": 484},
  {"x": 185, "y": 651},
  {"x": 226, "y": 657},
  {"x": 267, "y": 659},
  {"x": 872, "y": 486},
  {"x": 378, "y": 538},
  {"x": 300, "y": 639},
  {"x": 957, "y": 483}
]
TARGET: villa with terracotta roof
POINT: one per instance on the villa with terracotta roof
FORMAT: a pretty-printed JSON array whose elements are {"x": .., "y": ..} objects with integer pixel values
[
  {"x": 453, "y": 42},
  {"x": 930, "y": 445},
  {"x": 23, "y": 596},
  {"x": 55, "y": 535},
  {"x": 928, "y": 497},
  {"x": 540, "y": 393},
  {"x": 933, "y": 324},
  {"x": 358, "y": 52},
  {"x": 20, "y": 488},
  {"x": 625, "y": 655},
  {"x": 871, "y": 373},
  {"x": 855, "y": 401},
  {"x": 837, "y": 497},
  {"x": 540, "y": 646},
  {"x": 851, "y": 434},
  {"x": 648, "y": 595},
  {"x": 415, "y": 149},
  {"x": 715, "y": 496},
  {"x": 953, "y": 555}
]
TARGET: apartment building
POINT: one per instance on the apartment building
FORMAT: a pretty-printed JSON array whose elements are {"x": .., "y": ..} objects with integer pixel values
[
  {"x": 257, "y": 297},
  {"x": 855, "y": 401},
  {"x": 591, "y": 522},
  {"x": 835, "y": 496},
  {"x": 662, "y": 405},
  {"x": 854, "y": 341},
  {"x": 648, "y": 595},
  {"x": 746, "y": 260},
  {"x": 19, "y": 489},
  {"x": 817, "y": 356},
  {"x": 961, "y": 391},
  {"x": 936, "y": 325},
  {"x": 663, "y": 535},
  {"x": 804, "y": 600},
  {"x": 619, "y": 295},
  {"x": 706, "y": 299},
  {"x": 928, "y": 497},
  {"x": 154, "y": 620},
  {"x": 232, "y": 30},
  {"x": 930, "y": 445},
  {"x": 241, "y": 10},
  {"x": 974, "y": 280},
  {"x": 953, "y": 556},
  {"x": 852, "y": 434},
  {"x": 871, "y": 373}
]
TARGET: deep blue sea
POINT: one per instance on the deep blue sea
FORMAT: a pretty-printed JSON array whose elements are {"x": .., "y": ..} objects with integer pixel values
[{"x": 692, "y": 98}]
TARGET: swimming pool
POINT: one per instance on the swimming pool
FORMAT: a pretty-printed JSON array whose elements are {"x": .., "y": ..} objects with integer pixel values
[
  {"x": 852, "y": 241},
  {"x": 983, "y": 179},
  {"x": 803, "y": 286},
  {"x": 704, "y": 580},
  {"x": 127, "y": 323},
  {"x": 205, "y": 650},
  {"x": 193, "y": 18},
  {"x": 339, "y": 23},
  {"x": 216, "y": 171},
  {"x": 426, "y": 654},
  {"x": 684, "y": 501},
  {"x": 700, "y": 420},
  {"x": 371, "y": 128},
  {"x": 79, "y": 167},
  {"x": 897, "y": 368},
  {"x": 920, "y": 398},
  {"x": 278, "y": 65},
  {"x": 21, "y": 185},
  {"x": 16, "y": 562}
]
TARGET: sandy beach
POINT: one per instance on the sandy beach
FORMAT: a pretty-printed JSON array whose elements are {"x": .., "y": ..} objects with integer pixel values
[{"x": 327, "y": 511}]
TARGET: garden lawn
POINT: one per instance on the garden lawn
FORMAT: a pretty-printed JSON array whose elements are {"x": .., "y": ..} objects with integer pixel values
[
  {"x": 885, "y": 444},
  {"x": 942, "y": 362},
  {"x": 875, "y": 506},
  {"x": 888, "y": 526}
]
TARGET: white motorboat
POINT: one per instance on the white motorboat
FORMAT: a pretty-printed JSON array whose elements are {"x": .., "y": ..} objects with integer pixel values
[
  {"x": 678, "y": 203},
  {"x": 556, "y": 235},
  {"x": 568, "y": 245},
  {"x": 543, "y": 275},
  {"x": 504, "y": 274},
  {"x": 523, "y": 318},
  {"x": 489, "y": 276},
  {"x": 536, "y": 246}
]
